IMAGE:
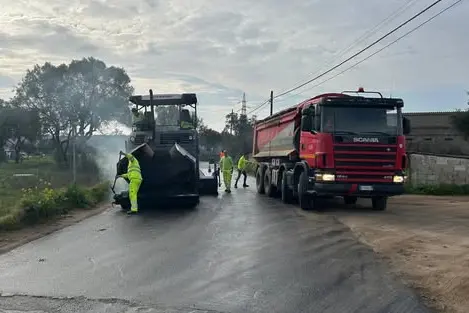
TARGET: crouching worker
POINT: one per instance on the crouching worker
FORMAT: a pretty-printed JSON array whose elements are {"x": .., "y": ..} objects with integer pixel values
[{"x": 134, "y": 175}]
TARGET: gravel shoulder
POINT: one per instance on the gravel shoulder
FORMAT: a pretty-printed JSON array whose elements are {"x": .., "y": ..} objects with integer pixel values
[{"x": 426, "y": 241}]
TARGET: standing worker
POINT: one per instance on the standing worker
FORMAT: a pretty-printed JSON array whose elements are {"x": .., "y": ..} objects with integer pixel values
[
  {"x": 218, "y": 173},
  {"x": 134, "y": 175},
  {"x": 226, "y": 167},
  {"x": 242, "y": 170}
]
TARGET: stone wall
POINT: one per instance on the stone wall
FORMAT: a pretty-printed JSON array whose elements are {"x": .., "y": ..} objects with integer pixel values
[
  {"x": 433, "y": 169},
  {"x": 433, "y": 132}
]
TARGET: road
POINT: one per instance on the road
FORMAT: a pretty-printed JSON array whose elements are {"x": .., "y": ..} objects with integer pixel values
[{"x": 236, "y": 253}]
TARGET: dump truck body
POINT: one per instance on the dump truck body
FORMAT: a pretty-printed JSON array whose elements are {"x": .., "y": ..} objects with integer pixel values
[
  {"x": 168, "y": 156},
  {"x": 333, "y": 145}
]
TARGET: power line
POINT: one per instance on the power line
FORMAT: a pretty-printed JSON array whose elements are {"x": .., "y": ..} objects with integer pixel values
[
  {"x": 365, "y": 36},
  {"x": 359, "y": 52},
  {"x": 385, "y": 47},
  {"x": 258, "y": 107}
]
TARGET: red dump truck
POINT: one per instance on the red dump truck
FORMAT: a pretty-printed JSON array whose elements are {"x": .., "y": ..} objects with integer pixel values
[{"x": 334, "y": 144}]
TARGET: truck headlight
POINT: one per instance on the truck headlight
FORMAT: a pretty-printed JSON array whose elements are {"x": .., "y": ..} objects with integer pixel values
[
  {"x": 398, "y": 179},
  {"x": 132, "y": 139},
  {"x": 325, "y": 177}
]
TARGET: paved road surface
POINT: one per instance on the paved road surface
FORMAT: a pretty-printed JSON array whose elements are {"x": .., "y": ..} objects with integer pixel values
[{"x": 237, "y": 253}]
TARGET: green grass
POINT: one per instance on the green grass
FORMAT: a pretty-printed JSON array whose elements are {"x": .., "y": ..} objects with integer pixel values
[
  {"x": 37, "y": 189},
  {"x": 438, "y": 190}
]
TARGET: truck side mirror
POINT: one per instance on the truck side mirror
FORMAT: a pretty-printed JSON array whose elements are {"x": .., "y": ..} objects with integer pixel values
[
  {"x": 308, "y": 119},
  {"x": 310, "y": 111},
  {"x": 307, "y": 123},
  {"x": 406, "y": 126}
]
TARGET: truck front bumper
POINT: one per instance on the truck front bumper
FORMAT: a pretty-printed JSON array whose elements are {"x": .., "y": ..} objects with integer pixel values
[{"x": 358, "y": 190}]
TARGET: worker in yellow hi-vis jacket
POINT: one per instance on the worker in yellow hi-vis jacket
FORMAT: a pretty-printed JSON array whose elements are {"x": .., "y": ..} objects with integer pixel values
[
  {"x": 242, "y": 170},
  {"x": 226, "y": 168},
  {"x": 134, "y": 175}
]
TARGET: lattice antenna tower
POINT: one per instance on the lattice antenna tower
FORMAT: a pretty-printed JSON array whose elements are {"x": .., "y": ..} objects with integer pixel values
[{"x": 243, "y": 106}]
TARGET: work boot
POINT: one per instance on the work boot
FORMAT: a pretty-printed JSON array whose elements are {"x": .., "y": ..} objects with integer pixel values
[
  {"x": 226, "y": 190},
  {"x": 236, "y": 186},
  {"x": 229, "y": 191},
  {"x": 245, "y": 185},
  {"x": 132, "y": 211}
]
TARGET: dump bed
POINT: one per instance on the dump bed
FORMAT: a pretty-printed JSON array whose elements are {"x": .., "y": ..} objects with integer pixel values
[{"x": 273, "y": 136}]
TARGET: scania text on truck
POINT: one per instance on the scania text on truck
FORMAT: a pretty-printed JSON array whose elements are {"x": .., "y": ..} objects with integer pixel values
[{"x": 334, "y": 144}]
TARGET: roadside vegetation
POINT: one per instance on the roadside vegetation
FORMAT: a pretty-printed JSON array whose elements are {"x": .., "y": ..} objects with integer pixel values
[{"x": 38, "y": 189}]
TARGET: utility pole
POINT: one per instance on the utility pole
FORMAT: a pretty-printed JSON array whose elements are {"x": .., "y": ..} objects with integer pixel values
[
  {"x": 74, "y": 166},
  {"x": 271, "y": 102},
  {"x": 232, "y": 121}
]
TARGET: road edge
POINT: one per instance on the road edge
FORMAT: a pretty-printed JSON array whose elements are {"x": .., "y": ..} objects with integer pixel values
[{"x": 49, "y": 227}]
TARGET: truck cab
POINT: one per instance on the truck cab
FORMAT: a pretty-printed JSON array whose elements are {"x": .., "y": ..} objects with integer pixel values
[{"x": 342, "y": 145}]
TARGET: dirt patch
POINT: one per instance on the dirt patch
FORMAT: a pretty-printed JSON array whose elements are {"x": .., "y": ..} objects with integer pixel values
[
  {"x": 12, "y": 239},
  {"x": 426, "y": 240}
]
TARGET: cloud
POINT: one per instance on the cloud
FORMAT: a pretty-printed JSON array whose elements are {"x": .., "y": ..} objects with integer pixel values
[{"x": 220, "y": 48}]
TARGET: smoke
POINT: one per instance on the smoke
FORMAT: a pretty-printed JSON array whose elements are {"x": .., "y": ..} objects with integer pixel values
[{"x": 107, "y": 149}]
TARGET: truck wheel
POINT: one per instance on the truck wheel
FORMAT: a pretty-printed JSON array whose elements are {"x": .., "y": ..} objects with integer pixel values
[
  {"x": 287, "y": 193},
  {"x": 269, "y": 189},
  {"x": 260, "y": 180},
  {"x": 305, "y": 200},
  {"x": 350, "y": 200},
  {"x": 379, "y": 203}
]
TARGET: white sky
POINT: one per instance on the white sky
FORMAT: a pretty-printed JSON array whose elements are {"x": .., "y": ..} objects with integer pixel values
[{"x": 220, "y": 48}]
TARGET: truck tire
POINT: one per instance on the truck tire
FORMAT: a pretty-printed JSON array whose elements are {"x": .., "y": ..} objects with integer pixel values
[
  {"x": 287, "y": 193},
  {"x": 269, "y": 189},
  {"x": 350, "y": 200},
  {"x": 379, "y": 203},
  {"x": 305, "y": 200},
  {"x": 260, "y": 180}
]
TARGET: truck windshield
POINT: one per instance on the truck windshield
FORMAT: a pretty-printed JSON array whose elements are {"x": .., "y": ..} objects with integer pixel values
[{"x": 359, "y": 120}]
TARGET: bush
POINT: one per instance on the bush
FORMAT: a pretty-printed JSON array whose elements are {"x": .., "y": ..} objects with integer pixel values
[
  {"x": 438, "y": 190},
  {"x": 38, "y": 204}
]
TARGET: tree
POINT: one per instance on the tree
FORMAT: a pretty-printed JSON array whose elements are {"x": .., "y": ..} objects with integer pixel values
[
  {"x": 19, "y": 127},
  {"x": 97, "y": 94},
  {"x": 210, "y": 137},
  {"x": 238, "y": 133},
  {"x": 460, "y": 121},
  {"x": 74, "y": 99}
]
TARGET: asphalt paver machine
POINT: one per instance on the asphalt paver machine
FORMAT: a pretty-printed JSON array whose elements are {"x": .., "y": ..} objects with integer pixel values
[{"x": 165, "y": 141}]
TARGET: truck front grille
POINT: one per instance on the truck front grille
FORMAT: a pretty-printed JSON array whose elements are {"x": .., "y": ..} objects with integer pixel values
[{"x": 364, "y": 163}]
